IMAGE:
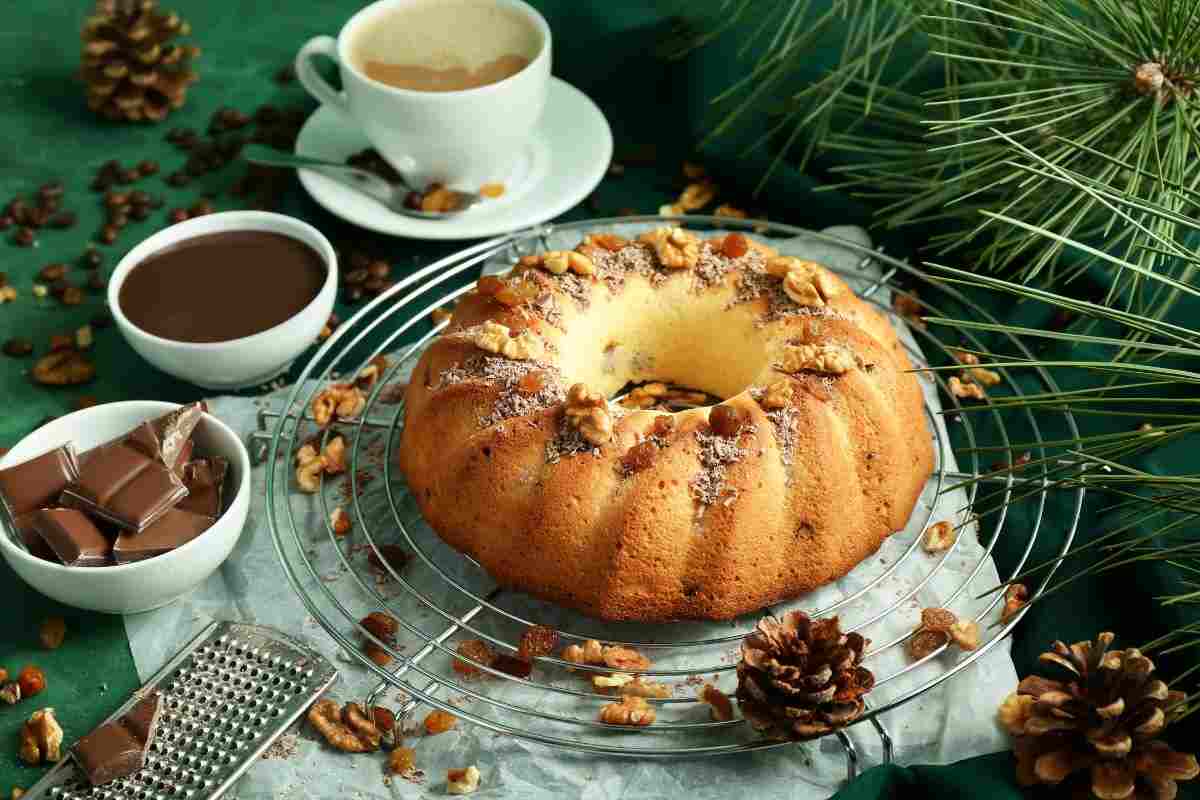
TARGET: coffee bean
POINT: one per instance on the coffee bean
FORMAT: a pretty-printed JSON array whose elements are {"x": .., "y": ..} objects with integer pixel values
[
  {"x": 147, "y": 168},
  {"x": 139, "y": 213},
  {"x": 139, "y": 198},
  {"x": 108, "y": 234},
  {"x": 178, "y": 215},
  {"x": 37, "y": 217},
  {"x": 63, "y": 219},
  {"x": 355, "y": 277},
  {"x": 18, "y": 348},
  {"x": 59, "y": 286},
  {"x": 96, "y": 281},
  {"x": 128, "y": 175},
  {"x": 6, "y": 222},
  {"x": 23, "y": 237},
  {"x": 116, "y": 199},
  {"x": 17, "y": 208},
  {"x": 101, "y": 320},
  {"x": 52, "y": 272},
  {"x": 72, "y": 296},
  {"x": 49, "y": 204},
  {"x": 379, "y": 269},
  {"x": 92, "y": 258},
  {"x": 179, "y": 179},
  {"x": 51, "y": 189},
  {"x": 118, "y": 218}
]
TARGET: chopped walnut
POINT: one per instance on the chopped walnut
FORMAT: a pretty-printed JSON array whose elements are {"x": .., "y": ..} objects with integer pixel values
[
  {"x": 496, "y": 338},
  {"x": 558, "y": 262},
  {"x": 720, "y": 707},
  {"x": 805, "y": 282},
  {"x": 625, "y": 659},
  {"x": 338, "y": 401},
  {"x": 333, "y": 457},
  {"x": 939, "y": 537},
  {"x": 940, "y": 620},
  {"x": 675, "y": 247},
  {"x": 369, "y": 375},
  {"x": 640, "y": 687},
  {"x": 1015, "y": 711},
  {"x": 828, "y": 359},
  {"x": 922, "y": 643},
  {"x": 511, "y": 293},
  {"x": 602, "y": 683},
  {"x": 590, "y": 652},
  {"x": 963, "y": 390},
  {"x": 10, "y": 693},
  {"x": 340, "y": 522},
  {"x": 727, "y": 210},
  {"x": 462, "y": 781},
  {"x": 438, "y": 721},
  {"x": 630, "y": 711},
  {"x": 41, "y": 738},
  {"x": 965, "y": 634},
  {"x": 309, "y": 467},
  {"x": 402, "y": 761},
  {"x": 608, "y": 241},
  {"x": 1016, "y": 597},
  {"x": 984, "y": 377},
  {"x": 963, "y": 357},
  {"x": 588, "y": 412},
  {"x": 329, "y": 720},
  {"x": 696, "y": 196},
  {"x": 645, "y": 396},
  {"x": 778, "y": 394}
]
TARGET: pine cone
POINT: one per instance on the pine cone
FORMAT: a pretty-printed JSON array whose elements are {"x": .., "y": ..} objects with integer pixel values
[
  {"x": 800, "y": 677},
  {"x": 131, "y": 68},
  {"x": 1104, "y": 719}
]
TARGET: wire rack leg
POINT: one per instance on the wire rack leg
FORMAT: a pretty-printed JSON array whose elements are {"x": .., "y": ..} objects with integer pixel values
[
  {"x": 420, "y": 655},
  {"x": 884, "y": 738},
  {"x": 851, "y": 756}
]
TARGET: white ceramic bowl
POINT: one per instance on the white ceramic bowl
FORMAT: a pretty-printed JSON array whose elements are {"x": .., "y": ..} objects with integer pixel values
[
  {"x": 142, "y": 585},
  {"x": 237, "y": 363}
]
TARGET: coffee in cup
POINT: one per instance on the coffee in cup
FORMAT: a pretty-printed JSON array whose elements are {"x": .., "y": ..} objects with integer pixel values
[{"x": 448, "y": 91}]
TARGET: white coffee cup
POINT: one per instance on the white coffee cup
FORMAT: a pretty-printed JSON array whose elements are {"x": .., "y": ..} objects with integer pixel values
[{"x": 463, "y": 139}]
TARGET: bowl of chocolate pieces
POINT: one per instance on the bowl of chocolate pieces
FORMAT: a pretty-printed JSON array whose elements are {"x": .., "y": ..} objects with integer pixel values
[{"x": 123, "y": 507}]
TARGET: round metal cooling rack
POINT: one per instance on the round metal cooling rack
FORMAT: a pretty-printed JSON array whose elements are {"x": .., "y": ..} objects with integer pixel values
[{"x": 440, "y": 596}]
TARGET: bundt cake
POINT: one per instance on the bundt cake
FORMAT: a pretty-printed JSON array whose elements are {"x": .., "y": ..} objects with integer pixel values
[{"x": 517, "y": 457}]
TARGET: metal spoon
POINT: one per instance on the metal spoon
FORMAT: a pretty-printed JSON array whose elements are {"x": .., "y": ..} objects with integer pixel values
[{"x": 391, "y": 195}]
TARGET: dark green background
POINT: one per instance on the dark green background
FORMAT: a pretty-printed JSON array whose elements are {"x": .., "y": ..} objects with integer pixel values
[{"x": 604, "y": 47}]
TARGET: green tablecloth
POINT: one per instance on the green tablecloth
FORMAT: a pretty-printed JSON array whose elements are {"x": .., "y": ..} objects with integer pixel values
[{"x": 605, "y": 48}]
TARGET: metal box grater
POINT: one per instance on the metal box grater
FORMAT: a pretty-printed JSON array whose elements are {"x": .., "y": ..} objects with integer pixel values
[{"x": 226, "y": 696}]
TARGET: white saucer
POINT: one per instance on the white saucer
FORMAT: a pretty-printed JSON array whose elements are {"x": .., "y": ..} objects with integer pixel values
[{"x": 568, "y": 156}]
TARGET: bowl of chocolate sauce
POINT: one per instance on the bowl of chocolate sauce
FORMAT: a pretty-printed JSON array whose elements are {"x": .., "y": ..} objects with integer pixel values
[{"x": 227, "y": 300}]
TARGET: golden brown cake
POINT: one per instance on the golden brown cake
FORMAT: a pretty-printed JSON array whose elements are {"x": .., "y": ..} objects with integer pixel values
[{"x": 516, "y": 457}]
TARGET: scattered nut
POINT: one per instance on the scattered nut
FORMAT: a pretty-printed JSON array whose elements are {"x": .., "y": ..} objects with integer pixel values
[
  {"x": 462, "y": 781},
  {"x": 630, "y": 711},
  {"x": 720, "y": 708},
  {"x": 52, "y": 633},
  {"x": 984, "y": 377},
  {"x": 438, "y": 721},
  {"x": 11, "y": 693},
  {"x": 939, "y": 537},
  {"x": 645, "y": 396},
  {"x": 625, "y": 659},
  {"x": 966, "y": 391},
  {"x": 602, "y": 683},
  {"x": 696, "y": 196},
  {"x": 326, "y": 716},
  {"x": 337, "y": 401},
  {"x": 558, "y": 262},
  {"x": 675, "y": 247},
  {"x": 309, "y": 468},
  {"x": 640, "y": 687},
  {"x": 369, "y": 375},
  {"x": 340, "y": 522},
  {"x": 333, "y": 457},
  {"x": 965, "y": 634},
  {"x": 778, "y": 394},
  {"x": 590, "y": 652},
  {"x": 1016, "y": 597},
  {"x": 41, "y": 738},
  {"x": 588, "y": 412},
  {"x": 496, "y": 338},
  {"x": 63, "y": 368},
  {"x": 385, "y": 721},
  {"x": 7, "y": 294},
  {"x": 31, "y": 680},
  {"x": 608, "y": 241},
  {"x": 827, "y": 359},
  {"x": 963, "y": 357},
  {"x": 727, "y": 210}
]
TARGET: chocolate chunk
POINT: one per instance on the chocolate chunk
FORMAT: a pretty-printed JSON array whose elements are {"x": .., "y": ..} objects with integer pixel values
[
  {"x": 118, "y": 749},
  {"x": 168, "y": 438},
  {"x": 204, "y": 479},
  {"x": 34, "y": 542},
  {"x": 39, "y": 481},
  {"x": 122, "y": 484},
  {"x": 175, "y": 529},
  {"x": 73, "y": 537}
]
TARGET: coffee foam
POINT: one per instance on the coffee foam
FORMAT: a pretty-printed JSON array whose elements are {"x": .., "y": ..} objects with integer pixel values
[{"x": 446, "y": 34}]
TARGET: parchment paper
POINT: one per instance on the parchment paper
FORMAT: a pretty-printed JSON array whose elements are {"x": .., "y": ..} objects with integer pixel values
[{"x": 952, "y": 722}]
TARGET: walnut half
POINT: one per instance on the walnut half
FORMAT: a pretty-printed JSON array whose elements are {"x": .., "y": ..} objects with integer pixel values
[
  {"x": 630, "y": 711},
  {"x": 41, "y": 738},
  {"x": 588, "y": 412},
  {"x": 828, "y": 359},
  {"x": 496, "y": 338},
  {"x": 675, "y": 247}
]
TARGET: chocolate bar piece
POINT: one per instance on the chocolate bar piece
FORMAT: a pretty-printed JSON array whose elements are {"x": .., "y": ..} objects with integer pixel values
[
  {"x": 168, "y": 438},
  {"x": 175, "y": 529},
  {"x": 204, "y": 479},
  {"x": 120, "y": 483},
  {"x": 33, "y": 540},
  {"x": 39, "y": 481},
  {"x": 118, "y": 749},
  {"x": 74, "y": 538}
]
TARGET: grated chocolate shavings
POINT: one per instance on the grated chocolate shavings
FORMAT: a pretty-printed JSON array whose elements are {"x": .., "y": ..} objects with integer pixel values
[
  {"x": 716, "y": 453},
  {"x": 507, "y": 374},
  {"x": 546, "y": 307},
  {"x": 633, "y": 259},
  {"x": 783, "y": 420},
  {"x": 713, "y": 266},
  {"x": 569, "y": 442}
]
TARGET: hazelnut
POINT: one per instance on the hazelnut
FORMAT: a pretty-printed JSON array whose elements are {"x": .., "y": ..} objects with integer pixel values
[
  {"x": 340, "y": 522},
  {"x": 939, "y": 537},
  {"x": 31, "y": 680},
  {"x": 52, "y": 633}
]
